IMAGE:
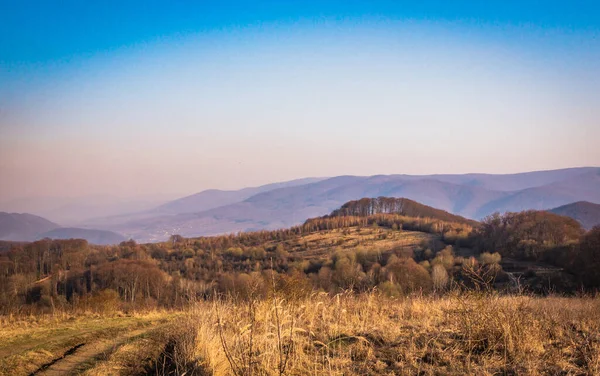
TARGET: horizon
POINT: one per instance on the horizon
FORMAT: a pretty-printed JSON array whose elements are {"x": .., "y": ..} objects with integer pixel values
[{"x": 143, "y": 100}]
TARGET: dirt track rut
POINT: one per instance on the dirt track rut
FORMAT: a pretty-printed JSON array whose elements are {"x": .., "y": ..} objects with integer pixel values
[{"x": 83, "y": 356}]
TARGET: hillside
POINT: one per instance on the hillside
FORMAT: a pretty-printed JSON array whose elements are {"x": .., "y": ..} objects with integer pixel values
[
  {"x": 19, "y": 227},
  {"x": 586, "y": 213},
  {"x": 472, "y": 196},
  {"x": 99, "y": 237},
  {"x": 395, "y": 245}
]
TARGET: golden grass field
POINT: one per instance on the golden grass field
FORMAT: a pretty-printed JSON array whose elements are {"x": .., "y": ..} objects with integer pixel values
[
  {"x": 365, "y": 334},
  {"x": 372, "y": 335}
]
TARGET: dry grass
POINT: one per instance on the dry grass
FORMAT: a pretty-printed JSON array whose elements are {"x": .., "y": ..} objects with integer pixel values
[
  {"x": 364, "y": 334},
  {"x": 372, "y": 335},
  {"x": 133, "y": 357}
]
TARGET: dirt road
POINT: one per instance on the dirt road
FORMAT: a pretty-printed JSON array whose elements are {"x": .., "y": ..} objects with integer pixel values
[
  {"x": 73, "y": 344},
  {"x": 83, "y": 356}
]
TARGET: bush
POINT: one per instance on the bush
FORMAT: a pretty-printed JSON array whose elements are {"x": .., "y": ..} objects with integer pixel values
[
  {"x": 487, "y": 258},
  {"x": 390, "y": 289},
  {"x": 409, "y": 275},
  {"x": 445, "y": 258},
  {"x": 439, "y": 277}
]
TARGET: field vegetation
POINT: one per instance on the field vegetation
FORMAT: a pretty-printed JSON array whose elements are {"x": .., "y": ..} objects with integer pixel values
[
  {"x": 371, "y": 334},
  {"x": 319, "y": 334}
]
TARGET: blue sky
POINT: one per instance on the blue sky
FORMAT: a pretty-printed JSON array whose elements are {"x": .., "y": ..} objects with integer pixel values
[
  {"x": 120, "y": 97},
  {"x": 40, "y": 32}
]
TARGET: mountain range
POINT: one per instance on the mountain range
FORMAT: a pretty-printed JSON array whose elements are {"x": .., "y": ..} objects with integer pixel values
[{"x": 285, "y": 204}]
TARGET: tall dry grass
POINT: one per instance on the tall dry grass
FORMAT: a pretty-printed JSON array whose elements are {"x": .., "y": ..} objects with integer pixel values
[{"x": 367, "y": 334}]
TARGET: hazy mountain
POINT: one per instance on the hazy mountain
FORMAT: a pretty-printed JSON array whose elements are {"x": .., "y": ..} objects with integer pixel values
[
  {"x": 195, "y": 203},
  {"x": 74, "y": 210},
  {"x": 586, "y": 213},
  {"x": 472, "y": 196},
  {"x": 20, "y": 227},
  {"x": 214, "y": 198},
  {"x": 99, "y": 237},
  {"x": 581, "y": 187},
  {"x": 29, "y": 227},
  {"x": 515, "y": 182}
]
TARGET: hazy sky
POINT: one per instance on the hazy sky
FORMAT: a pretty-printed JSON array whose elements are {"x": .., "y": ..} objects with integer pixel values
[{"x": 139, "y": 99}]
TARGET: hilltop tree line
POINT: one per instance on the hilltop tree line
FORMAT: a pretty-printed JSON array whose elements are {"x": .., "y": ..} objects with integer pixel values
[{"x": 390, "y": 205}]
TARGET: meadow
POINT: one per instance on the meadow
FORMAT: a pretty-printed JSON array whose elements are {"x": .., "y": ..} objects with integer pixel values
[{"x": 346, "y": 334}]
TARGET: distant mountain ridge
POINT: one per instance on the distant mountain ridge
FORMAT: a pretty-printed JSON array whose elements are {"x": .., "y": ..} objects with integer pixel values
[
  {"x": 98, "y": 237},
  {"x": 28, "y": 227},
  {"x": 586, "y": 213},
  {"x": 471, "y": 195},
  {"x": 71, "y": 211},
  {"x": 23, "y": 227},
  {"x": 214, "y": 198}
]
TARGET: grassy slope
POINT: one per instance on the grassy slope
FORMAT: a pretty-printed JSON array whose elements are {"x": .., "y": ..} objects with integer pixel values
[{"x": 319, "y": 245}]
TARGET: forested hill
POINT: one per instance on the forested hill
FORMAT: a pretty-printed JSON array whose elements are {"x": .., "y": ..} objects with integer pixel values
[{"x": 402, "y": 206}]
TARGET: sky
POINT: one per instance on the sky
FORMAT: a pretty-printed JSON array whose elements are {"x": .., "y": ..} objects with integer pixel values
[{"x": 136, "y": 99}]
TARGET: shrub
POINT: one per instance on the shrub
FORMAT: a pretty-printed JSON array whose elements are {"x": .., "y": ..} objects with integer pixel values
[
  {"x": 445, "y": 258},
  {"x": 439, "y": 277},
  {"x": 390, "y": 289},
  {"x": 487, "y": 258},
  {"x": 409, "y": 275}
]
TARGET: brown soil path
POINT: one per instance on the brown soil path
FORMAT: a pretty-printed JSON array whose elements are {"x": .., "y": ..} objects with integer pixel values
[{"x": 83, "y": 356}]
